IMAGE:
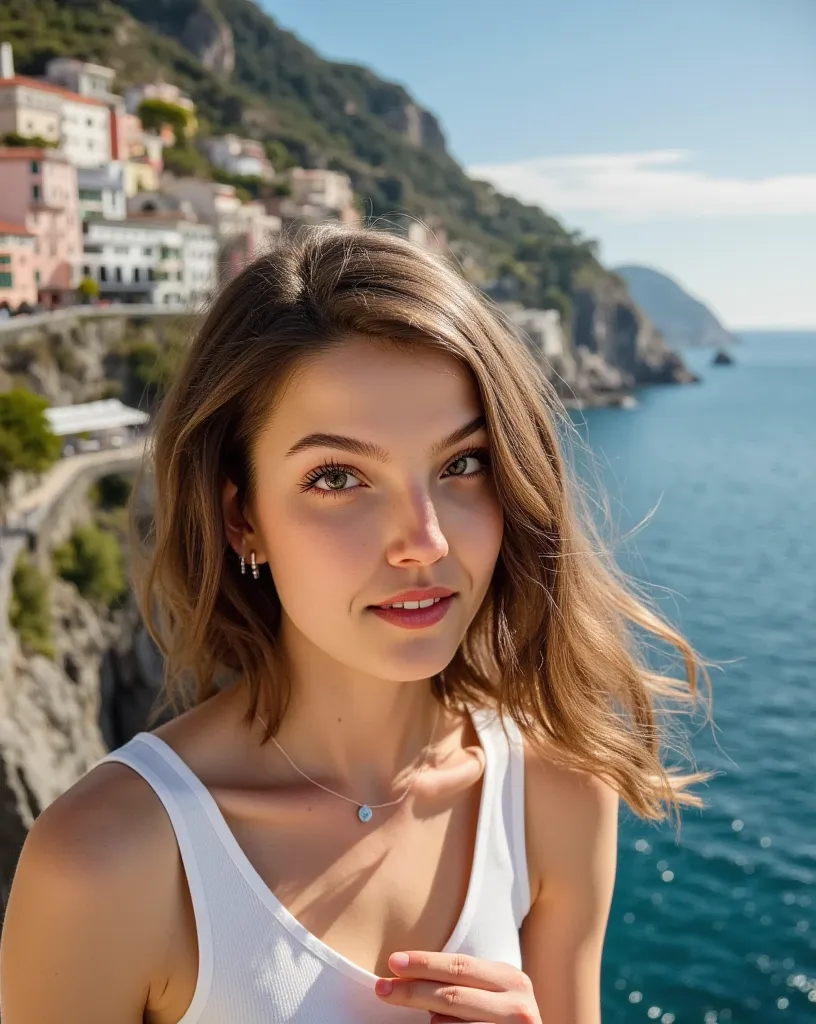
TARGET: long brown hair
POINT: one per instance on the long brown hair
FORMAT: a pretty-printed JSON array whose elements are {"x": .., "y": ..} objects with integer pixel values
[{"x": 554, "y": 644}]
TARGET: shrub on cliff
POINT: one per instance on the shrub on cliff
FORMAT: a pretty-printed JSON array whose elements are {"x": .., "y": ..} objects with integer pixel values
[
  {"x": 30, "y": 609},
  {"x": 26, "y": 441},
  {"x": 111, "y": 491},
  {"x": 92, "y": 560}
]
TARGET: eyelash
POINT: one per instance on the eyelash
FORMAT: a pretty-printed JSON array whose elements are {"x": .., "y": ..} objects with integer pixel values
[{"x": 331, "y": 466}]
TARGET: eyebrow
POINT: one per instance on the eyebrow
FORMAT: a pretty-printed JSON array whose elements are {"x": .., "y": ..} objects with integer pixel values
[{"x": 369, "y": 450}]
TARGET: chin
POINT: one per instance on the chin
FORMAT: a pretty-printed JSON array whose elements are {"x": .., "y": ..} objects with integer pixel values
[{"x": 406, "y": 665}]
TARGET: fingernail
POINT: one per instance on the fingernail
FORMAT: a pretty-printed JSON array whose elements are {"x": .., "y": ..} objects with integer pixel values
[
  {"x": 383, "y": 986},
  {"x": 398, "y": 960}
]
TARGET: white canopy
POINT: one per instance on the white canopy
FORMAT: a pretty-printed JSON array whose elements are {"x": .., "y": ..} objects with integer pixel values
[{"x": 107, "y": 414}]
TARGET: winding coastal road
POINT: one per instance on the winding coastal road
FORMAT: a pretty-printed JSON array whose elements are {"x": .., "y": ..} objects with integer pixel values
[{"x": 24, "y": 516}]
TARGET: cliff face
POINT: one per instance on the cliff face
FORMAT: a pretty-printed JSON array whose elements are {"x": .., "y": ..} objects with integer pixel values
[
  {"x": 683, "y": 320},
  {"x": 58, "y": 717},
  {"x": 608, "y": 324}
]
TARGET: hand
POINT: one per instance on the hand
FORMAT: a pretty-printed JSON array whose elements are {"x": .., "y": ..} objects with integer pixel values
[{"x": 456, "y": 987}]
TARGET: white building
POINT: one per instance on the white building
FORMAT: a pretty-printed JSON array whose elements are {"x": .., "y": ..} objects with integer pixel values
[
  {"x": 242, "y": 229},
  {"x": 29, "y": 106},
  {"x": 235, "y": 155},
  {"x": 329, "y": 190},
  {"x": 102, "y": 191},
  {"x": 79, "y": 76},
  {"x": 153, "y": 258}
]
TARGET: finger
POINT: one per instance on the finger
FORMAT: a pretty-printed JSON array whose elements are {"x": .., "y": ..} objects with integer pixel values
[
  {"x": 438, "y": 1018},
  {"x": 453, "y": 968},
  {"x": 456, "y": 1001}
]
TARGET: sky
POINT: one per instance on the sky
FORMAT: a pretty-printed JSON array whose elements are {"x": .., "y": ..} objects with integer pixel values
[{"x": 681, "y": 135}]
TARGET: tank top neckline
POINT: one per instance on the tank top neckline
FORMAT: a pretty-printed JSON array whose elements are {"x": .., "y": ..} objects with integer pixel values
[{"x": 284, "y": 916}]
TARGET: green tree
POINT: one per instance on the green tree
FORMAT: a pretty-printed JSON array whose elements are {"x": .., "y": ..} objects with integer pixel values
[
  {"x": 30, "y": 608},
  {"x": 279, "y": 156},
  {"x": 155, "y": 114},
  {"x": 185, "y": 160},
  {"x": 554, "y": 298},
  {"x": 16, "y": 139},
  {"x": 26, "y": 441},
  {"x": 112, "y": 491},
  {"x": 92, "y": 560},
  {"x": 88, "y": 288}
]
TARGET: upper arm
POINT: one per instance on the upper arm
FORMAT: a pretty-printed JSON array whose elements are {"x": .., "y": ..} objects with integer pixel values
[
  {"x": 80, "y": 935},
  {"x": 572, "y": 824}
]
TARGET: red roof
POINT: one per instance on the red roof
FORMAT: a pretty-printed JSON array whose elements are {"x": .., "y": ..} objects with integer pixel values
[
  {"x": 37, "y": 83},
  {"x": 31, "y": 153},
  {"x": 7, "y": 228}
]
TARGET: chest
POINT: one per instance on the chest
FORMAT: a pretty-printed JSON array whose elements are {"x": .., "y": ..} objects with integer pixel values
[{"x": 362, "y": 891}]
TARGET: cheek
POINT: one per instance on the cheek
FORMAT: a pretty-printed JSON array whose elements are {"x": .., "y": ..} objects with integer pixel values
[
  {"x": 474, "y": 525},
  {"x": 316, "y": 552}
]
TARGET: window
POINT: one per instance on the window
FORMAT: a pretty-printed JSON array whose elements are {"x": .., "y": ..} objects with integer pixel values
[
  {"x": 35, "y": 193},
  {"x": 5, "y": 280},
  {"x": 151, "y": 274},
  {"x": 118, "y": 272},
  {"x": 35, "y": 167},
  {"x": 121, "y": 250},
  {"x": 86, "y": 271},
  {"x": 137, "y": 274},
  {"x": 147, "y": 251},
  {"x": 37, "y": 277},
  {"x": 5, "y": 258},
  {"x": 103, "y": 274}
]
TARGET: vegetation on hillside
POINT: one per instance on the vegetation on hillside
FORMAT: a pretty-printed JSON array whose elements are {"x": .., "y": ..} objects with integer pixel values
[
  {"x": 93, "y": 561},
  {"x": 30, "y": 609},
  {"x": 317, "y": 113},
  {"x": 26, "y": 441}
]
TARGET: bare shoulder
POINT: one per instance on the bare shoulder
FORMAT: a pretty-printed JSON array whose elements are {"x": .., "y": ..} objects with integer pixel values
[
  {"x": 92, "y": 903},
  {"x": 571, "y": 821}
]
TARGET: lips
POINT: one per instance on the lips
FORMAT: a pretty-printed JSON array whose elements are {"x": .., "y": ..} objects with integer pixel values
[
  {"x": 416, "y": 597},
  {"x": 416, "y": 617}
]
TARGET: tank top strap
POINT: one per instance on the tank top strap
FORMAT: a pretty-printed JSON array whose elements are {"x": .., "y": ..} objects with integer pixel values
[
  {"x": 149, "y": 757},
  {"x": 503, "y": 744}
]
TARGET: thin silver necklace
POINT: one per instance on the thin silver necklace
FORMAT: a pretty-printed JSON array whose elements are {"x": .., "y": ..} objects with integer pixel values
[{"x": 365, "y": 812}]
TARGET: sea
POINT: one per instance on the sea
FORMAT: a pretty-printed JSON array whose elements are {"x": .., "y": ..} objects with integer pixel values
[{"x": 712, "y": 495}]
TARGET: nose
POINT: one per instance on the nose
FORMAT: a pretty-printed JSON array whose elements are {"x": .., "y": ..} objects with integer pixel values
[{"x": 417, "y": 537}]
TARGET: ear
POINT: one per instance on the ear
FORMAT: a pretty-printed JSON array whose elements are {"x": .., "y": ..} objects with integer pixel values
[{"x": 240, "y": 533}]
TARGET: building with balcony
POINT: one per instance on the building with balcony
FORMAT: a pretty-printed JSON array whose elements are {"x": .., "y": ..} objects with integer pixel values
[
  {"x": 157, "y": 258},
  {"x": 102, "y": 191},
  {"x": 38, "y": 190},
  {"x": 79, "y": 125},
  {"x": 17, "y": 284},
  {"x": 242, "y": 229}
]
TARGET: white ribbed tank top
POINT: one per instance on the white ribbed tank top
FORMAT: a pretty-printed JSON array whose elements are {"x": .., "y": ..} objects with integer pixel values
[{"x": 258, "y": 964}]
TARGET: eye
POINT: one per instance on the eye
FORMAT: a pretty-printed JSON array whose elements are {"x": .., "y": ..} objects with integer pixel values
[
  {"x": 331, "y": 479},
  {"x": 472, "y": 463}
]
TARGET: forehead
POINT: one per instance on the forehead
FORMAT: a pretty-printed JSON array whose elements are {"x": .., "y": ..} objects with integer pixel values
[{"x": 362, "y": 387}]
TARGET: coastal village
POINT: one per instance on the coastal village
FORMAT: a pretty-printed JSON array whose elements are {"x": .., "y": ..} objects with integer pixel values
[{"x": 90, "y": 212}]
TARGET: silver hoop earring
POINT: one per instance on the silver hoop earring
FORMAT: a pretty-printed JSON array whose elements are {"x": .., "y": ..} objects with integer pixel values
[
  {"x": 256, "y": 572},
  {"x": 243, "y": 565}
]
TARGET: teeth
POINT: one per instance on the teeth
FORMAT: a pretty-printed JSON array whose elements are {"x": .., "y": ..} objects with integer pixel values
[{"x": 411, "y": 605}]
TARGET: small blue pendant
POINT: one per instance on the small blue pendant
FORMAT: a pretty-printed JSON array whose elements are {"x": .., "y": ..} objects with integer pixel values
[{"x": 365, "y": 813}]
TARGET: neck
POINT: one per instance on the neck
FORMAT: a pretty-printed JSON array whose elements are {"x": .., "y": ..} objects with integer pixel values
[{"x": 361, "y": 735}]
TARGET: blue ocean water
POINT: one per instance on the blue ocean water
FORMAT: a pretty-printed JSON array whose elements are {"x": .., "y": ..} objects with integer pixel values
[{"x": 721, "y": 926}]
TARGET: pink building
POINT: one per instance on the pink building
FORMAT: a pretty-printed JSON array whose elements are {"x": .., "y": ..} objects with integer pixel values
[
  {"x": 38, "y": 190},
  {"x": 16, "y": 265}
]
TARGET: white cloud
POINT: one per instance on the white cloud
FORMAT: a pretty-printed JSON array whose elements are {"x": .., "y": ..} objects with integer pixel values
[{"x": 656, "y": 185}]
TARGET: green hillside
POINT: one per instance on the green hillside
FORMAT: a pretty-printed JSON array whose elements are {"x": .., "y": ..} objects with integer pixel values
[{"x": 249, "y": 76}]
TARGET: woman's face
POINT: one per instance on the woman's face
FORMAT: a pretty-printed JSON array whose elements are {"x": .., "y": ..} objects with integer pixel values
[{"x": 373, "y": 479}]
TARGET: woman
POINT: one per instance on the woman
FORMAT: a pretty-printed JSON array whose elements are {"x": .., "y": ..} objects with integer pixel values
[{"x": 410, "y": 698}]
